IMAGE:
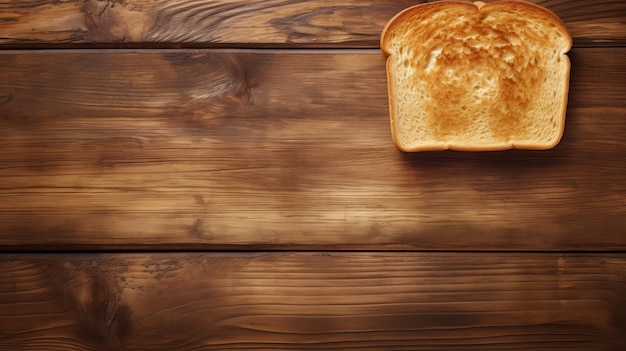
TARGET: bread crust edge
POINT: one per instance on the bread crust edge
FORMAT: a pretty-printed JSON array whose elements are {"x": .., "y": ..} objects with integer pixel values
[{"x": 486, "y": 147}]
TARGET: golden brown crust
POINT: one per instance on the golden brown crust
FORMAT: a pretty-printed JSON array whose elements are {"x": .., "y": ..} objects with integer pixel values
[
  {"x": 434, "y": 6},
  {"x": 479, "y": 4},
  {"x": 538, "y": 10},
  {"x": 401, "y": 17},
  {"x": 444, "y": 126}
]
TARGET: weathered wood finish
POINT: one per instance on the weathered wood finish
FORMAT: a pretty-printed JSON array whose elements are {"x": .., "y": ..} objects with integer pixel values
[
  {"x": 231, "y": 148},
  {"x": 125, "y": 140},
  {"x": 317, "y": 23},
  {"x": 297, "y": 301}
]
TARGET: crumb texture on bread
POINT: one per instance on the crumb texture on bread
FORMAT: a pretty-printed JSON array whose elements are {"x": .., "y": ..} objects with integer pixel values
[{"x": 466, "y": 78}]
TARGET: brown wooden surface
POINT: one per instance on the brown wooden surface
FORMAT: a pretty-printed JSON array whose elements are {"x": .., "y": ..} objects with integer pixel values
[
  {"x": 276, "y": 301},
  {"x": 289, "y": 149},
  {"x": 289, "y": 23},
  {"x": 270, "y": 149}
]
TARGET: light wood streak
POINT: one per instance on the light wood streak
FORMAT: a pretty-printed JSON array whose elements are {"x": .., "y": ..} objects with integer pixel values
[
  {"x": 290, "y": 23},
  {"x": 275, "y": 149}
]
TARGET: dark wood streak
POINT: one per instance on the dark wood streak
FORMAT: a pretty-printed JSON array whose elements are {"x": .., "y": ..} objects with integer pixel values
[
  {"x": 275, "y": 149},
  {"x": 263, "y": 301},
  {"x": 278, "y": 23}
]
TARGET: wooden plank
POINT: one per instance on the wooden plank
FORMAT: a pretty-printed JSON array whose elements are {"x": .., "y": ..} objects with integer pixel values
[
  {"x": 284, "y": 149},
  {"x": 322, "y": 23},
  {"x": 321, "y": 301}
]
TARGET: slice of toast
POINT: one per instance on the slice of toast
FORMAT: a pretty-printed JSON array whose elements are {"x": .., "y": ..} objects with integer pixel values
[{"x": 476, "y": 76}]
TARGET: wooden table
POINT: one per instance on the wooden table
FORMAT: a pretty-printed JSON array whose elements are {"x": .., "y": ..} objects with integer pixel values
[{"x": 219, "y": 174}]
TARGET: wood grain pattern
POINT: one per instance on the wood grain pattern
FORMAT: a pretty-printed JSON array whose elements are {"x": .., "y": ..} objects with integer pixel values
[
  {"x": 223, "y": 149},
  {"x": 284, "y": 149},
  {"x": 291, "y": 23},
  {"x": 329, "y": 301}
]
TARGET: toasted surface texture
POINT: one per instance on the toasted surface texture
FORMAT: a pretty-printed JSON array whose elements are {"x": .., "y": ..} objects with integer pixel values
[{"x": 476, "y": 77}]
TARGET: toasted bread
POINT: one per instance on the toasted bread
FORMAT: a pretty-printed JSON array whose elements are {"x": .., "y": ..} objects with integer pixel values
[{"x": 476, "y": 76}]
